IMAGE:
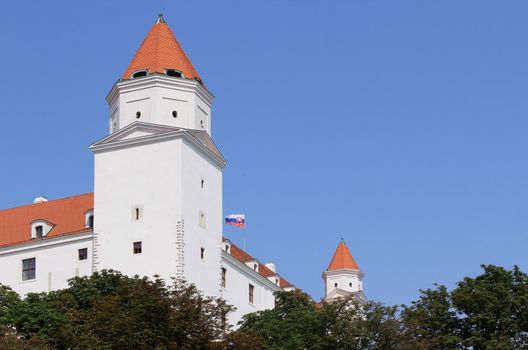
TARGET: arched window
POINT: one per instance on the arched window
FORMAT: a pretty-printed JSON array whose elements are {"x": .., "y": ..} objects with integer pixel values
[
  {"x": 89, "y": 219},
  {"x": 174, "y": 73},
  {"x": 140, "y": 73}
]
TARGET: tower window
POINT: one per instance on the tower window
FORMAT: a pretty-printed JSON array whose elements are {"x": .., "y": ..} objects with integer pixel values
[
  {"x": 29, "y": 268},
  {"x": 335, "y": 285},
  {"x": 350, "y": 284},
  {"x": 201, "y": 124},
  {"x": 138, "y": 114},
  {"x": 137, "y": 213},
  {"x": 174, "y": 73},
  {"x": 39, "y": 231},
  {"x": 201, "y": 219},
  {"x": 174, "y": 114},
  {"x": 224, "y": 272},
  {"x": 251, "y": 293},
  {"x": 137, "y": 248},
  {"x": 202, "y": 183},
  {"x": 83, "y": 254},
  {"x": 140, "y": 73},
  {"x": 202, "y": 252}
]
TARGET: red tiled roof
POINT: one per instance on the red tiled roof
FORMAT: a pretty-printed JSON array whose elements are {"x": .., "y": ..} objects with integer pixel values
[
  {"x": 66, "y": 215},
  {"x": 342, "y": 259},
  {"x": 161, "y": 51},
  {"x": 284, "y": 284},
  {"x": 263, "y": 270},
  {"x": 239, "y": 254}
]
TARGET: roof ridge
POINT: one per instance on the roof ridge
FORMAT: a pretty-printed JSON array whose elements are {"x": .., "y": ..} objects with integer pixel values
[{"x": 49, "y": 201}]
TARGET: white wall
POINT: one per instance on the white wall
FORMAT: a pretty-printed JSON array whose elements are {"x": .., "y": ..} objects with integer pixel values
[
  {"x": 236, "y": 292},
  {"x": 156, "y": 97},
  {"x": 148, "y": 176},
  {"x": 205, "y": 273},
  {"x": 343, "y": 278},
  {"x": 56, "y": 262}
]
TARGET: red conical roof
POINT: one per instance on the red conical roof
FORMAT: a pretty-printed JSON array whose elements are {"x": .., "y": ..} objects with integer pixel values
[
  {"x": 161, "y": 51},
  {"x": 342, "y": 259}
]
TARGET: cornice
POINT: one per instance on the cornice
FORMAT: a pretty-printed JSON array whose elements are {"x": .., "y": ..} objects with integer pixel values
[
  {"x": 112, "y": 142},
  {"x": 46, "y": 242},
  {"x": 159, "y": 80}
]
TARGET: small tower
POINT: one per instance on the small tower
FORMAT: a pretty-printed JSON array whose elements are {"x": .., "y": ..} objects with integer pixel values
[
  {"x": 343, "y": 277},
  {"x": 160, "y": 86}
]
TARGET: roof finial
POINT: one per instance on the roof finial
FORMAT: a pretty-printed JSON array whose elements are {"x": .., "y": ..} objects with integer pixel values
[{"x": 160, "y": 19}]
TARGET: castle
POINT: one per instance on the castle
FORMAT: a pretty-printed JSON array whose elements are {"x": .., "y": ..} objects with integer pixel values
[{"x": 156, "y": 208}]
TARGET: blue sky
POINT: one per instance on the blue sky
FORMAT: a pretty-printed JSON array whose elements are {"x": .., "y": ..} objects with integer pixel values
[{"x": 400, "y": 126}]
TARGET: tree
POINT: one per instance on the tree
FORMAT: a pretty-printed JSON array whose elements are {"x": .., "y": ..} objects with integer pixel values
[
  {"x": 292, "y": 324},
  {"x": 493, "y": 309},
  {"x": 431, "y": 322},
  {"x": 350, "y": 325},
  {"x": 110, "y": 311}
]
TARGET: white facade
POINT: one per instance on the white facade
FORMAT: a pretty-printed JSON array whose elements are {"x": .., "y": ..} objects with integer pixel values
[
  {"x": 56, "y": 261},
  {"x": 157, "y": 203},
  {"x": 238, "y": 279},
  {"x": 157, "y": 206},
  {"x": 161, "y": 100}
]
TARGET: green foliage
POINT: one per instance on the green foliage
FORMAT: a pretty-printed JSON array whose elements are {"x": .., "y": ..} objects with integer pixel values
[
  {"x": 489, "y": 312},
  {"x": 110, "y": 311},
  {"x": 292, "y": 324},
  {"x": 493, "y": 308},
  {"x": 431, "y": 322}
]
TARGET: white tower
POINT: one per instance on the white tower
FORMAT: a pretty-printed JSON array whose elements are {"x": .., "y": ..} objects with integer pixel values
[
  {"x": 343, "y": 277},
  {"x": 158, "y": 175}
]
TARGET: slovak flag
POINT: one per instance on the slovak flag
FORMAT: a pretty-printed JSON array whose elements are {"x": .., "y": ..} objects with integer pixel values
[{"x": 238, "y": 220}]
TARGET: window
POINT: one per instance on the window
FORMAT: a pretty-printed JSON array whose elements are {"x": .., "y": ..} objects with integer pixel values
[
  {"x": 39, "y": 231},
  {"x": 140, "y": 73},
  {"x": 137, "y": 248},
  {"x": 138, "y": 114},
  {"x": 202, "y": 183},
  {"x": 202, "y": 124},
  {"x": 251, "y": 293},
  {"x": 201, "y": 219},
  {"x": 137, "y": 213},
  {"x": 227, "y": 248},
  {"x": 83, "y": 253},
  {"x": 28, "y": 269},
  {"x": 335, "y": 285},
  {"x": 350, "y": 284},
  {"x": 90, "y": 221},
  {"x": 255, "y": 267},
  {"x": 202, "y": 251},
  {"x": 224, "y": 272},
  {"x": 174, "y": 114},
  {"x": 174, "y": 73}
]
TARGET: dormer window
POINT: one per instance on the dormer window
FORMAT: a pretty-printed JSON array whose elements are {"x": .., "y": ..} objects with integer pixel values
[
  {"x": 39, "y": 231},
  {"x": 40, "y": 228},
  {"x": 140, "y": 73},
  {"x": 89, "y": 219},
  {"x": 174, "y": 73}
]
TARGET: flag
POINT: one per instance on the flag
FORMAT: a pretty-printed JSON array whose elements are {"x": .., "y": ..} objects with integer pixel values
[{"x": 238, "y": 220}]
